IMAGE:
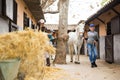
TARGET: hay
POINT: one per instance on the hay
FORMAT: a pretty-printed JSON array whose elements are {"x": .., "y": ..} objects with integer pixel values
[
  {"x": 50, "y": 74},
  {"x": 30, "y": 47}
]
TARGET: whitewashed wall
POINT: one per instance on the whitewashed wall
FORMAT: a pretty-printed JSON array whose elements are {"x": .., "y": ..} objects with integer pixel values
[
  {"x": 117, "y": 48},
  {"x": 4, "y": 26},
  {"x": 102, "y": 47}
]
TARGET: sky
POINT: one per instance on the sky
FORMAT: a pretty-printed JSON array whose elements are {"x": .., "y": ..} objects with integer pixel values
[{"x": 78, "y": 10}]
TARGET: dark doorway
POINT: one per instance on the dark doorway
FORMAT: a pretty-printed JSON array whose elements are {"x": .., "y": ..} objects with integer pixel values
[
  {"x": 98, "y": 48},
  {"x": 82, "y": 49},
  {"x": 109, "y": 28}
]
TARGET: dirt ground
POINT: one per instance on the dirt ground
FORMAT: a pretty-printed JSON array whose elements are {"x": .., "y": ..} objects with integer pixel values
[{"x": 83, "y": 71}]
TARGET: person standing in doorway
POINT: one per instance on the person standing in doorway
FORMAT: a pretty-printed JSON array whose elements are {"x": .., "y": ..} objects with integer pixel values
[
  {"x": 92, "y": 41},
  {"x": 41, "y": 26}
]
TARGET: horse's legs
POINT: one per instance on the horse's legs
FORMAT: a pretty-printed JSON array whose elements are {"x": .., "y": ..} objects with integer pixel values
[
  {"x": 70, "y": 52},
  {"x": 79, "y": 47},
  {"x": 75, "y": 48}
]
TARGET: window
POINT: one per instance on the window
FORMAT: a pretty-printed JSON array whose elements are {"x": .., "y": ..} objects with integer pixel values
[
  {"x": 9, "y": 9},
  {"x": 115, "y": 25},
  {"x": 2, "y": 7},
  {"x": 26, "y": 21},
  {"x": 12, "y": 27},
  {"x": 14, "y": 12}
]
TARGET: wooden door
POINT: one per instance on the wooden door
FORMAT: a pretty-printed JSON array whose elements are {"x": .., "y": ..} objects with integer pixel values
[{"x": 109, "y": 49}]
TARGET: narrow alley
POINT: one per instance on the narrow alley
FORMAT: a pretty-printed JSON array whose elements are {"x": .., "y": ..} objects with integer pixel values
[
  {"x": 83, "y": 71},
  {"x": 59, "y": 39}
]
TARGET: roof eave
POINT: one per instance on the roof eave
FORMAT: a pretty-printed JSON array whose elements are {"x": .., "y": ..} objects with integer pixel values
[
  {"x": 102, "y": 10},
  {"x": 35, "y": 9}
]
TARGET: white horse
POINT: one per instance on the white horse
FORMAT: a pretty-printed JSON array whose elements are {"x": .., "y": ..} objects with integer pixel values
[{"x": 75, "y": 42}]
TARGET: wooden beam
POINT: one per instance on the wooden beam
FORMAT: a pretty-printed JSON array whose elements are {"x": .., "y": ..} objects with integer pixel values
[
  {"x": 115, "y": 11},
  {"x": 100, "y": 20}
]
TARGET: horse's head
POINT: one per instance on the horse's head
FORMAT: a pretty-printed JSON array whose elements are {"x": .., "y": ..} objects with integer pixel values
[{"x": 80, "y": 28}]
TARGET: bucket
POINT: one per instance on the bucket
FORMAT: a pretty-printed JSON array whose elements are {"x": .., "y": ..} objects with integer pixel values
[{"x": 9, "y": 69}]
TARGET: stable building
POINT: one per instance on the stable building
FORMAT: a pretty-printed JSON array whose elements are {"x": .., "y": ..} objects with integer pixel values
[
  {"x": 107, "y": 21},
  {"x": 19, "y": 14},
  {"x": 56, "y": 26}
]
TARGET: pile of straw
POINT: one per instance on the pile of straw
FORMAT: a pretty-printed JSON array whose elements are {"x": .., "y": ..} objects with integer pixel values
[{"x": 30, "y": 47}]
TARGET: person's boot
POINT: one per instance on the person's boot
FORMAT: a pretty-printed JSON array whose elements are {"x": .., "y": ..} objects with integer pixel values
[
  {"x": 92, "y": 65},
  {"x": 77, "y": 62},
  {"x": 95, "y": 64}
]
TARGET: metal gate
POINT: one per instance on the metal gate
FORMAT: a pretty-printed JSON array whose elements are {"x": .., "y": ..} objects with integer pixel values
[{"x": 109, "y": 49}]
